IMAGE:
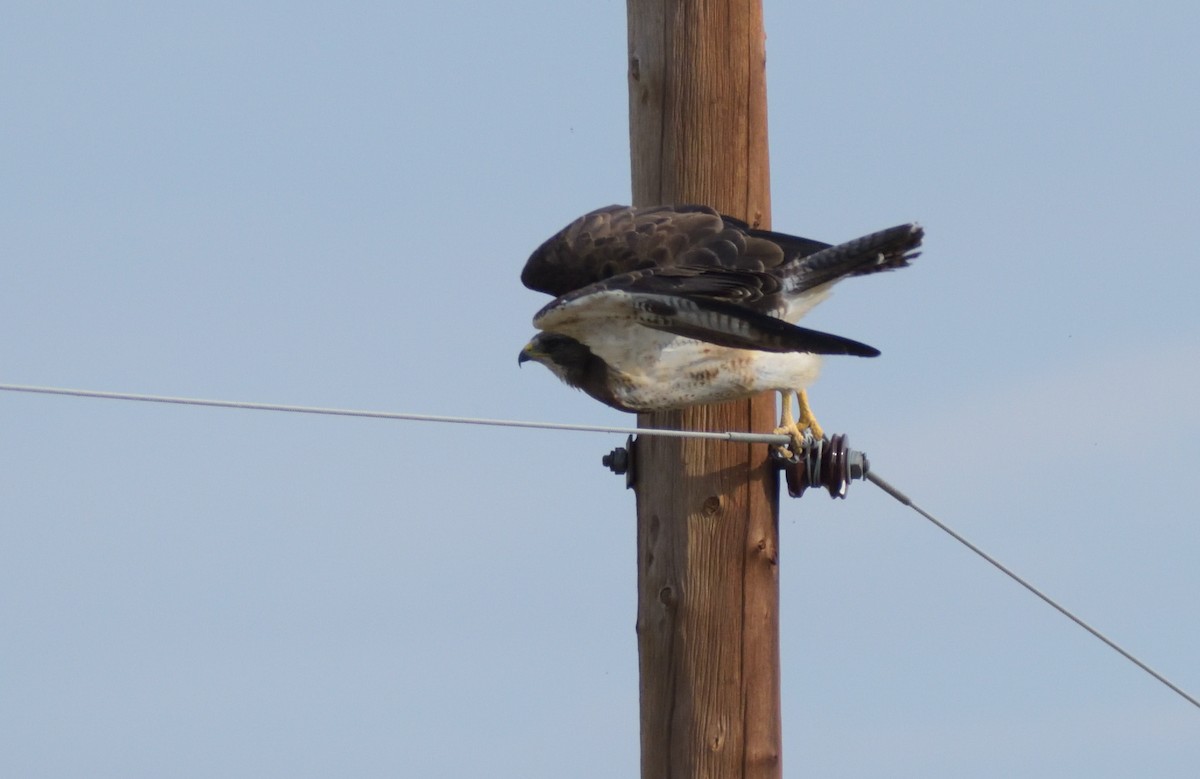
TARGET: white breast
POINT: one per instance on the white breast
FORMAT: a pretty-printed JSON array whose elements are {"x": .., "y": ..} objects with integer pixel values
[{"x": 690, "y": 372}]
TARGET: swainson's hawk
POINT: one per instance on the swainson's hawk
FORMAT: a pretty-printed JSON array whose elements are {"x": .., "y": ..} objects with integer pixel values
[{"x": 670, "y": 306}]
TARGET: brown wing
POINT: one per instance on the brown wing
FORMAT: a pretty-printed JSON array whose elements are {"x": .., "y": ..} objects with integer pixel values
[
  {"x": 621, "y": 239},
  {"x": 735, "y": 307}
]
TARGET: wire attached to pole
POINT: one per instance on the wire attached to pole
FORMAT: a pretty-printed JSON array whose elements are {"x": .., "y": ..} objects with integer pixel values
[
  {"x": 862, "y": 471},
  {"x": 900, "y": 496},
  {"x": 736, "y": 437}
]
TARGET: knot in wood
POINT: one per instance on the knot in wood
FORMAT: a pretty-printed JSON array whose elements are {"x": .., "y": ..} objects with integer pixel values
[
  {"x": 716, "y": 738},
  {"x": 766, "y": 550},
  {"x": 711, "y": 506}
]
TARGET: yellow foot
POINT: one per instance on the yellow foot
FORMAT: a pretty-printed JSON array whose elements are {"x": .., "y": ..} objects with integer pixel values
[{"x": 790, "y": 426}]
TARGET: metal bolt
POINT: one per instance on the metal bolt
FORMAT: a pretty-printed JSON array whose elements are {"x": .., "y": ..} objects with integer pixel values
[
  {"x": 620, "y": 461},
  {"x": 617, "y": 460}
]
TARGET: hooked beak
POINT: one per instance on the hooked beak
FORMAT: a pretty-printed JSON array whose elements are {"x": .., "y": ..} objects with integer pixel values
[{"x": 526, "y": 354}]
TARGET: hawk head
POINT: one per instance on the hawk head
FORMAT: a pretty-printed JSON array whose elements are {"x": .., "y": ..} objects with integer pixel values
[
  {"x": 563, "y": 355},
  {"x": 571, "y": 361}
]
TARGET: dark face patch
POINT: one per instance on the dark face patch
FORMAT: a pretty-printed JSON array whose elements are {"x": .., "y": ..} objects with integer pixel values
[{"x": 563, "y": 350}]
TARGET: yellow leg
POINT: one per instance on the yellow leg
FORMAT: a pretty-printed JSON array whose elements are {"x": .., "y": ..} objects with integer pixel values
[
  {"x": 790, "y": 426},
  {"x": 787, "y": 426},
  {"x": 807, "y": 420}
]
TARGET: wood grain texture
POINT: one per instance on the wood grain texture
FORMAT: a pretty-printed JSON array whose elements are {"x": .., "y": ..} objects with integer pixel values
[{"x": 708, "y": 585}]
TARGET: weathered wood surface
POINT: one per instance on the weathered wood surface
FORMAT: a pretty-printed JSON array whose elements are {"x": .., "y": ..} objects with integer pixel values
[{"x": 708, "y": 585}]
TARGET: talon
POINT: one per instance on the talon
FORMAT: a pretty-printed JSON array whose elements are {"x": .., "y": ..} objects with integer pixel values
[
  {"x": 798, "y": 429},
  {"x": 793, "y": 450}
]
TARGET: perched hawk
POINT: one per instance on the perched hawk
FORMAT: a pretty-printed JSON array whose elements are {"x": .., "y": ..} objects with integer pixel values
[{"x": 670, "y": 306}]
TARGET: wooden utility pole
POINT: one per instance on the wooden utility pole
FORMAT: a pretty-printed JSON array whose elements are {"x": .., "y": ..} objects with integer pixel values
[{"x": 708, "y": 585}]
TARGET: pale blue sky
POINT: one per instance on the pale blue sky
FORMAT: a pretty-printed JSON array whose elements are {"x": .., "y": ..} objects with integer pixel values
[{"x": 280, "y": 202}]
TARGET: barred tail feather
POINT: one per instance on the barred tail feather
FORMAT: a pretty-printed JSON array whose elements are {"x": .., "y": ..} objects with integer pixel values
[{"x": 887, "y": 249}]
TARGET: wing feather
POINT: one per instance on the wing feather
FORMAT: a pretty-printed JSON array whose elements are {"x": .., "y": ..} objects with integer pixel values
[
  {"x": 616, "y": 240},
  {"x": 601, "y": 308},
  {"x": 724, "y": 324},
  {"x": 689, "y": 272}
]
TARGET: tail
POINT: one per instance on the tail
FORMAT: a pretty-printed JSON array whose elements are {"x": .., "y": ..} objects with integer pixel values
[{"x": 887, "y": 249}]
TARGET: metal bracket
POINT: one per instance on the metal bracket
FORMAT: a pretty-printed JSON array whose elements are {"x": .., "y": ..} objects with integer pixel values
[{"x": 828, "y": 463}]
